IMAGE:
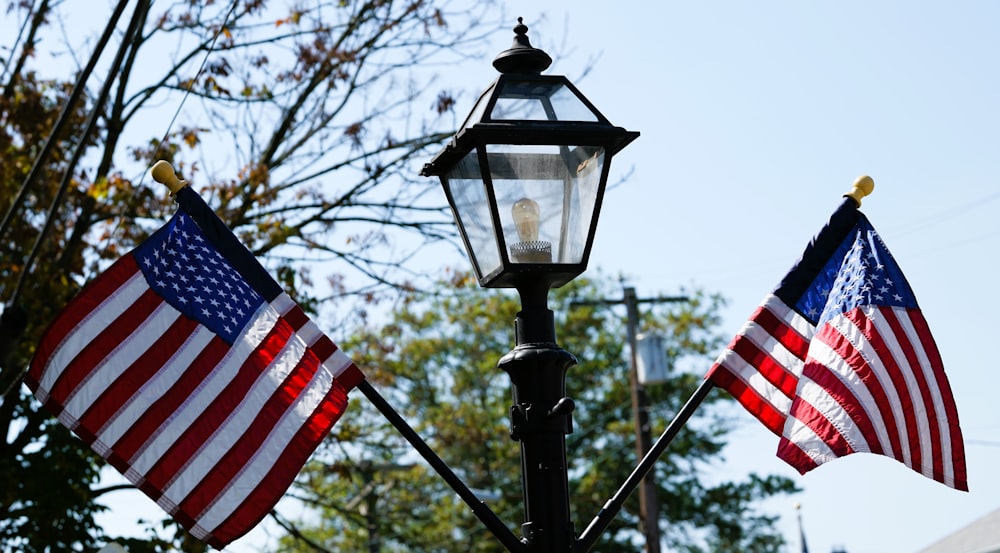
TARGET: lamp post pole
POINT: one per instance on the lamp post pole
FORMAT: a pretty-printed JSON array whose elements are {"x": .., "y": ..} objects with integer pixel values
[
  {"x": 525, "y": 177},
  {"x": 540, "y": 417}
]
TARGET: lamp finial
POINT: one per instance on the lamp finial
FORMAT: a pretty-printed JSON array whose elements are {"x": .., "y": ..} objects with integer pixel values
[{"x": 521, "y": 57}]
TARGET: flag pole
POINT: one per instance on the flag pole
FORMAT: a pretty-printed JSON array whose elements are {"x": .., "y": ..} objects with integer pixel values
[
  {"x": 614, "y": 505},
  {"x": 802, "y": 532}
]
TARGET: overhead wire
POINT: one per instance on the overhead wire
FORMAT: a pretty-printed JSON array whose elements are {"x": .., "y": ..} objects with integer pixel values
[
  {"x": 187, "y": 90},
  {"x": 945, "y": 214},
  {"x": 180, "y": 105}
]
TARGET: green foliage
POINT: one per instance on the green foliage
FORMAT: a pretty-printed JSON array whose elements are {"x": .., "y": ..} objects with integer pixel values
[{"x": 436, "y": 359}]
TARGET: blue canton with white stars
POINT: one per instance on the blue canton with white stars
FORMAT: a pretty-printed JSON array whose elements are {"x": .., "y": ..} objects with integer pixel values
[
  {"x": 183, "y": 268},
  {"x": 861, "y": 272}
]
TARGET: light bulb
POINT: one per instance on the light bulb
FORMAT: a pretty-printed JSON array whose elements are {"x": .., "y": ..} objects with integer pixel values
[
  {"x": 526, "y": 215},
  {"x": 530, "y": 249}
]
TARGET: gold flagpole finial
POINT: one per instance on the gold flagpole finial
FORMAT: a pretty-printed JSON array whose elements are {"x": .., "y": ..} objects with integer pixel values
[
  {"x": 863, "y": 186},
  {"x": 163, "y": 173}
]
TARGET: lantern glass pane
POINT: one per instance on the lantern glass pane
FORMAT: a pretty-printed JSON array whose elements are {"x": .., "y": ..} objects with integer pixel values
[
  {"x": 480, "y": 108},
  {"x": 546, "y": 196},
  {"x": 528, "y": 100},
  {"x": 471, "y": 206},
  {"x": 587, "y": 187}
]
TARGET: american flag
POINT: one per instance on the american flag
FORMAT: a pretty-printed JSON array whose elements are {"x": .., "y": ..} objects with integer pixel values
[
  {"x": 839, "y": 360},
  {"x": 190, "y": 371}
]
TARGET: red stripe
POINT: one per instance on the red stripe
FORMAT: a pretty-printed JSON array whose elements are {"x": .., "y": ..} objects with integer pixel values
[
  {"x": 111, "y": 338},
  {"x": 765, "y": 412},
  {"x": 951, "y": 411},
  {"x": 792, "y": 454},
  {"x": 879, "y": 349},
  {"x": 812, "y": 418},
  {"x": 86, "y": 301},
  {"x": 145, "y": 427},
  {"x": 121, "y": 390},
  {"x": 296, "y": 317},
  {"x": 220, "y": 476},
  {"x": 324, "y": 347},
  {"x": 194, "y": 438},
  {"x": 786, "y": 335},
  {"x": 256, "y": 506}
]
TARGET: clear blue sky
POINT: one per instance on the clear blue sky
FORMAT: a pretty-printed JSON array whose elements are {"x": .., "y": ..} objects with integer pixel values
[{"x": 755, "y": 118}]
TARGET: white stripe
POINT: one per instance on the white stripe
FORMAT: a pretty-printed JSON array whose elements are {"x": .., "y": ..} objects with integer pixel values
[
  {"x": 861, "y": 395},
  {"x": 797, "y": 322},
  {"x": 154, "y": 389},
  {"x": 865, "y": 348},
  {"x": 207, "y": 392},
  {"x": 912, "y": 389},
  {"x": 338, "y": 362},
  {"x": 124, "y": 354},
  {"x": 258, "y": 467},
  {"x": 309, "y": 333},
  {"x": 215, "y": 447},
  {"x": 90, "y": 327},
  {"x": 923, "y": 436},
  {"x": 282, "y": 303}
]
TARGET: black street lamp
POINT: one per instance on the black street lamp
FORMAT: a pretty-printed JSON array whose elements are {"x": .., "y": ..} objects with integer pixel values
[{"x": 525, "y": 177}]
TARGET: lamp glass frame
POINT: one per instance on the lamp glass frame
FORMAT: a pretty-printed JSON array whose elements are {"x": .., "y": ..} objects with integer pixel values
[{"x": 520, "y": 125}]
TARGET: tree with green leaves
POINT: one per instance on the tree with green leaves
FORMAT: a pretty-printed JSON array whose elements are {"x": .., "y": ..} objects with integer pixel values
[{"x": 436, "y": 359}]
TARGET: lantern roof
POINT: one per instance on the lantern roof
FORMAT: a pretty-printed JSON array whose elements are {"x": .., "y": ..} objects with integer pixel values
[{"x": 524, "y": 107}]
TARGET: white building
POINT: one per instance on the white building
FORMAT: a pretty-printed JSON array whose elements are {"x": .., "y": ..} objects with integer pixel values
[{"x": 981, "y": 536}]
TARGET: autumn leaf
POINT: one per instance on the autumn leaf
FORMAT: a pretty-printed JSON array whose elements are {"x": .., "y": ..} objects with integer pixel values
[{"x": 99, "y": 190}]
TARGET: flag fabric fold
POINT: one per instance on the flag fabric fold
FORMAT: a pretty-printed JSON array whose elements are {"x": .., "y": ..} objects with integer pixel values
[
  {"x": 839, "y": 359},
  {"x": 189, "y": 370}
]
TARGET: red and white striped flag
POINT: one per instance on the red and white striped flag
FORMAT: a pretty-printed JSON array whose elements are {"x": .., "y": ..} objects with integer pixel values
[
  {"x": 840, "y": 360},
  {"x": 190, "y": 371}
]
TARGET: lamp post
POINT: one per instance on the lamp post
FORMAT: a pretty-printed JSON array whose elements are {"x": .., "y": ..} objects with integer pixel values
[{"x": 525, "y": 177}]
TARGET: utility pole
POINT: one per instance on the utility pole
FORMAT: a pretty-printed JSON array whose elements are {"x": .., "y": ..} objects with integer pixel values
[{"x": 649, "y": 505}]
